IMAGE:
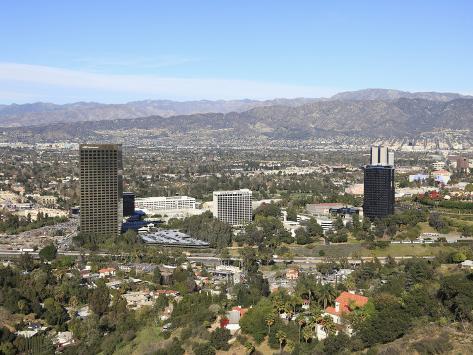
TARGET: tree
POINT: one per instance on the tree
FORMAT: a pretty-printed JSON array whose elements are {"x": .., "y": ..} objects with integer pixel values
[
  {"x": 55, "y": 314},
  {"x": 254, "y": 321},
  {"x": 26, "y": 262},
  {"x": 219, "y": 339},
  {"x": 418, "y": 270},
  {"x": 328, "y": 325},
  {"x": 436, "y": 221},
  {"x": 458, "y": 257},
  {"x": 300, "y": 319},
  {"x": 338, "y": 224},
  {"x": 313, "y": 228},
  {"x": 281, "y": 337},
  {"x": 48, "y": 253},
  {"x": 456, "y": 293},
  {"x": 157, "y": 276},
  {"x": 386, "y": 325},
  {"x": 326, "y": 295},
  {"x": 292, "y": 214},
  {"x": 302, "y": 237},
  {"x": 130, "y": 237},
  {"x": 203, "y": 349},
  {"x": 269, "y": 319},
  {"x": 250, "y": 347},
  {"x": 99, "y": 299},
  {"x": 250, "y": 261},
  {"x": 268, "y": 209},
  {"x": 336, "y": 344},
  {"x": 307, "y": 333},
  {"x": 206, "y": 227}
]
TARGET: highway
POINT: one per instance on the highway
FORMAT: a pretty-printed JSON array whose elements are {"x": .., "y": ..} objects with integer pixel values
[{"x": 213, "y": 260}]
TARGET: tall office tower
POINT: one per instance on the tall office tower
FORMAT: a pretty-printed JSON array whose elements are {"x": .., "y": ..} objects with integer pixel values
[
  {"x": 233, "y": 207},
  {"x": 101, "y": 189},
  {"x": 379, "y": 189},
  {"x": 128, "y": 204}
]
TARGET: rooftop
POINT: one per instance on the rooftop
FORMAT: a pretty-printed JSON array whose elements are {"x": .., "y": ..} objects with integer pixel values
[
  {"x": 347, "y": 301},
  {"x": 172, "y": 237}
]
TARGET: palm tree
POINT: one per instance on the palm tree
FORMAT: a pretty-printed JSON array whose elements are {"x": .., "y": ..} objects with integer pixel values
[
  {"x": 249, "y": 347},
  {"x": 296, "y": 300},
  {"x": 269, "y": 322},
  {"x": 281, "y": 336},
  {"x": 326, "y": 295},
  {"x": 278, "y": 304},
  {"x": 288, "y": 310},
  {"x": 307, "y": 333},
  {"x": 315, "y": 315},
  {"x": 328, "y": 325},
  {"x": 300, "y": 319}
]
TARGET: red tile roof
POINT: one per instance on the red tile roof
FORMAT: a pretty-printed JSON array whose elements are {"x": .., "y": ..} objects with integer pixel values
[
  {"x": 345, "y": 300},
  {"x": 108, "y": 269}
]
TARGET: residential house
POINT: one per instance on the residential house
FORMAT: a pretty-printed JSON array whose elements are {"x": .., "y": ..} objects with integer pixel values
[
  {"x": 345, "y": 303},
  {"x": 107, "y": 272},
  {"x": 292, "y": 274},
  {"x": 232, "y": 320}
]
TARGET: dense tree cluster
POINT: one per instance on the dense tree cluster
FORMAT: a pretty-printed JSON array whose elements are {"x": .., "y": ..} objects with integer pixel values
[
  {"x": 205, "y": 227},
  {"x": 13, "y": 224}
]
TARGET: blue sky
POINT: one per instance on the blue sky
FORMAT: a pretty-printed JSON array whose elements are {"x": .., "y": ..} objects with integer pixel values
[{"x": 118, "y": 51}]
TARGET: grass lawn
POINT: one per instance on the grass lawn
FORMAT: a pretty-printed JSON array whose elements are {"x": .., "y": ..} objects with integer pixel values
[
  {"x": 352, "y": 249},
  {"x": 333, "y": 250},
  {"x": 407, "y": 250},
  {"x": 147, "y": 340},
  {"x": 425, "y": 228}
]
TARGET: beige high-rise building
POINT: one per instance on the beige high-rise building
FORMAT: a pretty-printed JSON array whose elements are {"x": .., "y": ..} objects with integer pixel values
[
  {"x": 381, "y": 155},
  {"x": 233, "y": 207},
  {"x": 101, "y": 189}
]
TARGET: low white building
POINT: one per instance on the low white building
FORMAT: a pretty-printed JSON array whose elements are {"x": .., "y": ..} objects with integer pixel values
[{"x": 159, "y": 204}]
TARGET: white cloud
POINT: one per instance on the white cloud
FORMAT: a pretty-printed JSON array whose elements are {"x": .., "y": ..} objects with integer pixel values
[
  {"x": 55, "y": 80},
  {"x": 106, "y": 62}
]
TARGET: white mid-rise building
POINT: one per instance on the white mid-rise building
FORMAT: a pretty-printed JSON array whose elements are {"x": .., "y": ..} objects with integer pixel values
[
  {"x": 233, "y": 207},
  {"x": 159, "y": 205},
  {"x": 326, "y": 224}
]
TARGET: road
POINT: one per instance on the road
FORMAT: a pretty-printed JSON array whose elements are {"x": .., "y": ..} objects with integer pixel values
[{"x": 214, "y": 260}]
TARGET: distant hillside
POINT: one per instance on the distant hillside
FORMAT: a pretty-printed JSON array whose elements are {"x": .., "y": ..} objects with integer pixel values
[
  {"x": 374, "y": 118},
  {"x": 46, "y": 113},
  {"x": 388, "y": 94}
]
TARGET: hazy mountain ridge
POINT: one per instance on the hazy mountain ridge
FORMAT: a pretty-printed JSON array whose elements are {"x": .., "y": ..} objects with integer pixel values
[
  {"x": 46, "y": 113},
  {"x": 401, "y": 118},
  {"x": 391, "y": 95}
]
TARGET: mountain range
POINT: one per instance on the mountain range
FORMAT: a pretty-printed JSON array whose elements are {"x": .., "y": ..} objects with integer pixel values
[
  {"x": 41, "y": 113},
  {"x": 371, "y": 113}
]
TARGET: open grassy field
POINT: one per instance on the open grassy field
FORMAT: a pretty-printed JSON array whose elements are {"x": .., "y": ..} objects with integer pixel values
[{"x": 425, "y": 228}]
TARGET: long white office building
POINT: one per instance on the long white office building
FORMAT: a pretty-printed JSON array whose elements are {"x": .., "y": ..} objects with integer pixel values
[
  {"x": 156, "y": 205},
  {"x": 233, "y": 207}
]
